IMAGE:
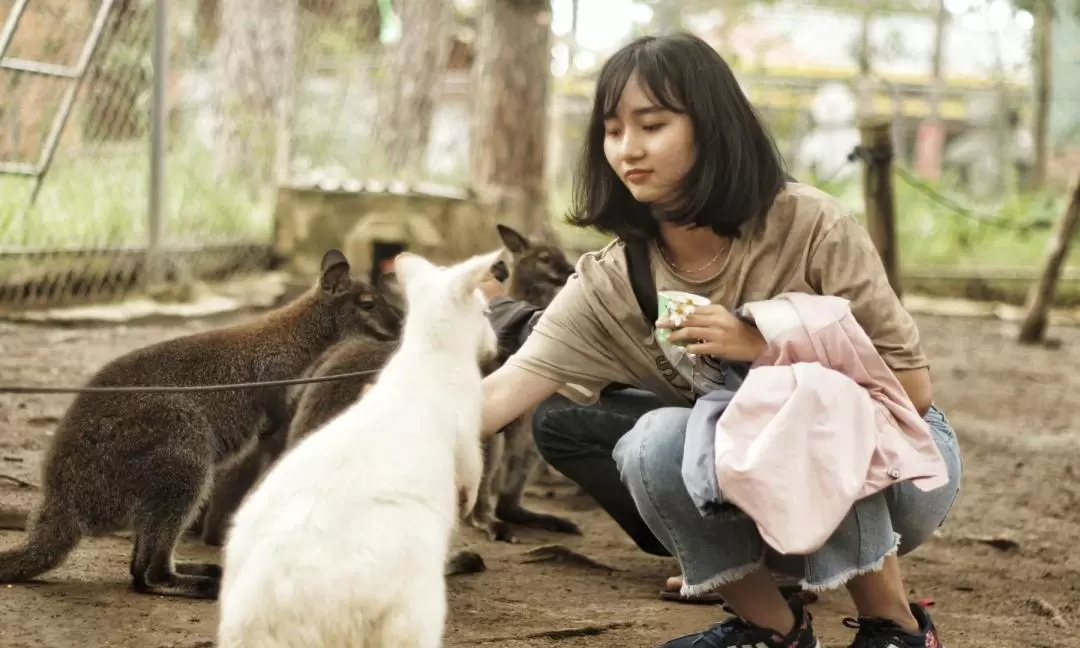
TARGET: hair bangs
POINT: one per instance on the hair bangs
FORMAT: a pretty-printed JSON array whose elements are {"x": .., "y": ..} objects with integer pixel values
[
  {"x": 611, "y": 83},
  {"x": 658, "y": 80},
  {"x": 654, "y": 73}
]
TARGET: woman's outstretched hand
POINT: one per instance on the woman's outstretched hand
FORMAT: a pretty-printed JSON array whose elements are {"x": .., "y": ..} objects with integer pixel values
[{"x": 714, "y": 331}]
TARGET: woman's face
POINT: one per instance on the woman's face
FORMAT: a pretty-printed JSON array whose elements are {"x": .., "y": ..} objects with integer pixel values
[{"x": 650, "y": 148}]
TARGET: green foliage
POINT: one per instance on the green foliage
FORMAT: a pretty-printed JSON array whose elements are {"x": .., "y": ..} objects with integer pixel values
[{"x": 933, "y": 232}]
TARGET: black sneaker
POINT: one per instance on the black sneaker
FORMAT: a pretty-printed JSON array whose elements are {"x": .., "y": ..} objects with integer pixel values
[
  {"x": 883, "y": 633},
  {"x": 737, "y": 633}
]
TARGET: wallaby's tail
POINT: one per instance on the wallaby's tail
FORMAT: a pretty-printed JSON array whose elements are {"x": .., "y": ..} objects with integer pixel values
[{"x": 50, "y": 538}]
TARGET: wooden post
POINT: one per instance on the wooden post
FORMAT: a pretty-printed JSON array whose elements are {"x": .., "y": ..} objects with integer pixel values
[
  {"x": 1033, "y": 328},
  {"x": 877, "y": 147}
]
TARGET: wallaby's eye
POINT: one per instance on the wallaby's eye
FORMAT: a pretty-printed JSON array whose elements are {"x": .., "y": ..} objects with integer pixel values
[
  {"x": 544, "y": 257},
  {"x": 367, "y": 304}
]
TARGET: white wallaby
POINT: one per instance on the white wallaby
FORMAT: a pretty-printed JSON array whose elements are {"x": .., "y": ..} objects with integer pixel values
[{"x": 345, "y": 539}]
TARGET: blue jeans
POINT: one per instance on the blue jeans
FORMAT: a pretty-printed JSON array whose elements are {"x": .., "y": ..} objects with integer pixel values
[
  {"x": 716, "y": 550},
  {"x": 577, "y": 440}
]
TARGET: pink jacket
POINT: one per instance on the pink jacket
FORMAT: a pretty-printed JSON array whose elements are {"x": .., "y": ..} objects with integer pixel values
[{"x": 819, "y": 422}]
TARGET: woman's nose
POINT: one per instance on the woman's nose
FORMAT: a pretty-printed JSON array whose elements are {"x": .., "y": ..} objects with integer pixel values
[{"x": 632, "y": 148}]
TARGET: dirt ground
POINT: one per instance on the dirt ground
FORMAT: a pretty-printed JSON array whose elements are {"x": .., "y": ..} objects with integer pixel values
[{"x": 1002, "y": 567}]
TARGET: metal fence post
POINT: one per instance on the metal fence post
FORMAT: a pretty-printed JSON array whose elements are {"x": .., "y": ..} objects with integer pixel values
[{"x": 155, "y": 264}]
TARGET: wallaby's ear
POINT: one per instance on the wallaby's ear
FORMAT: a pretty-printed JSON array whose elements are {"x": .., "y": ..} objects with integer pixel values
[
  {"x": 334, "y": 272},
  {"x": 513, "y": 241},
  {"x": 471, "y": 272},
  {"x": 409, "y": 266}
]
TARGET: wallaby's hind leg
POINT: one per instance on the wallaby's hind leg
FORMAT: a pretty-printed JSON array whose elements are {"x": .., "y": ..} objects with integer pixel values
[
  {"x": 154, "y": 569},
  {"x": 520, "y": 463},
  {"x": 158, "y": 529},
  {"x": 231, "y": 484},
  {"x": 482, "y": 516}
]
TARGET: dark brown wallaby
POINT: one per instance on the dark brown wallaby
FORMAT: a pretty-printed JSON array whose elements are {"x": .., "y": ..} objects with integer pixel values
[
  {"x": 233, "y": 481},
  {"x": 146, "y": 460},
  {"x": 537, "y": 272},
  {"x": 366, "y": 350}
]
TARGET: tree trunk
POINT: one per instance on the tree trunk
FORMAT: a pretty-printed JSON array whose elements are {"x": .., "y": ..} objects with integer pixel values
[
  {"x": 875, "y": 138},
  {"x": 411, "y": 71},
  {"x": 207, "y": 21},
  {"x": 937, "y": 72},
  {"x": 1043, "y": 35},
  {"x": 255, "y": 57},
  {"x": 930, "y": 141},
  {"x": 511, "y": 81},
  {"x": 1039, "y": 298}
]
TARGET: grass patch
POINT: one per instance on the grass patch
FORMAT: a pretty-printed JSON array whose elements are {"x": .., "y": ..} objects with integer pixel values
[{"x": 102, "y": 199}]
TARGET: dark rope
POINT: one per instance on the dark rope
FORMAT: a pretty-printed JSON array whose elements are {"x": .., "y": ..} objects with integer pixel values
[{"x": 22, "y": 389}]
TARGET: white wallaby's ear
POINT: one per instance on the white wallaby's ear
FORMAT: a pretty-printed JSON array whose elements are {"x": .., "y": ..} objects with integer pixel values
[
  {"x": 409, "y": 267},
  {"x": 469, "y": 273}
]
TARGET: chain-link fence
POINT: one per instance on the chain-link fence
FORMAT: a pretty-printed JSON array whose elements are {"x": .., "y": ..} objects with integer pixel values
[
  {"x": 257, "y": 95},
  {"x": 263, "y": 97},
  {"x": 248, "y": 89}
]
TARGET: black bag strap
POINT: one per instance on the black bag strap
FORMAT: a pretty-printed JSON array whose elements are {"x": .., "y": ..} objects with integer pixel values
[{"x": 641, "y": 279}]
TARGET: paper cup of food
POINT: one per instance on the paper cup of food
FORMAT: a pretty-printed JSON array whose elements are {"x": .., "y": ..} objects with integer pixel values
[{"x": 676, "y": 306}]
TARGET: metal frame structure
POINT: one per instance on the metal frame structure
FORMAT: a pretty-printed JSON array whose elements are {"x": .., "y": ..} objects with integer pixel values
[{"x": 74, "y": 74}]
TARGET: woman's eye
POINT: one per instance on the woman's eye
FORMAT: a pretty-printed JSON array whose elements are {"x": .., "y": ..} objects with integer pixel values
[
  {"x": 611, "y": 132},
  {"x": 652, "y": 128}
]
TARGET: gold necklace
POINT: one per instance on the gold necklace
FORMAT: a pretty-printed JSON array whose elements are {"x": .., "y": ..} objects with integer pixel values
[{"x": 678, "y": 268}]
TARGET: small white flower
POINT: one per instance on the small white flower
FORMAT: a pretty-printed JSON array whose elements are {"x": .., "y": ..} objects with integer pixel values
[{"x": 679, "y": 311}]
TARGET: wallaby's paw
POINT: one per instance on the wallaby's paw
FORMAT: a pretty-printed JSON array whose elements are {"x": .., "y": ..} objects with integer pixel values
[
  {"x": 206, "y": 570},
  {"x": 495, "y": 530},
  {"x": 561, "y": 525},
  {"x": 209, "y": 589},
  {"x": 480, "y": 520},
  {"x": 526, "y": 518},
  {"x": 502, "y": 532},
  {"x": 465, "y": 562},
  {"x": 180, "y": 585}
]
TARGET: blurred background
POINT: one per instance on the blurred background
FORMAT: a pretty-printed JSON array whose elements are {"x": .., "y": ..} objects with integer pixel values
[{"x": 222, "y": 135}]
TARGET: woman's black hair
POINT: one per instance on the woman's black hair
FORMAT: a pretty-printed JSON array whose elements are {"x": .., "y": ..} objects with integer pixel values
[{"x": 738, "y": 170}]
